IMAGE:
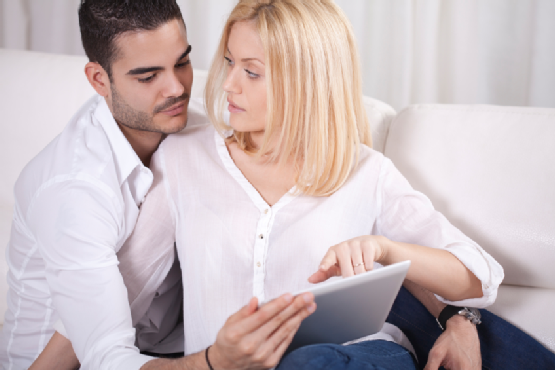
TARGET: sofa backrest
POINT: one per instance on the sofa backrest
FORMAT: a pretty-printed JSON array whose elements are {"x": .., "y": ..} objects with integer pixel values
[{"x": 491, "y": 171}]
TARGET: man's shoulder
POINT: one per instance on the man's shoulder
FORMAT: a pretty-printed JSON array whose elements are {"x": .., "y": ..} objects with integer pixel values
[{"x": 81, "y": 151}]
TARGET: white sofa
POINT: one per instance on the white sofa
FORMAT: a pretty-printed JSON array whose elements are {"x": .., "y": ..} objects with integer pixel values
[{"x": 489, "y": 169}]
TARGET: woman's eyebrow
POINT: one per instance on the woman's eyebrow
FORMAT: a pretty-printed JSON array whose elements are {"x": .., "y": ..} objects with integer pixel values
[{"x": 249, "y": 59}]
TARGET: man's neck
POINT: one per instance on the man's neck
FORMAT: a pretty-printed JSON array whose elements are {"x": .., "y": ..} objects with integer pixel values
[{"x": 144, "y": 143}]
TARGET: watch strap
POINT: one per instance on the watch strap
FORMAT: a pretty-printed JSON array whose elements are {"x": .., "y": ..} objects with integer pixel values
[{"x": 448, "y": 312}]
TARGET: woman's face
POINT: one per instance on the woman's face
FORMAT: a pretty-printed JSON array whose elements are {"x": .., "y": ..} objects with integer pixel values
[{"x": 245, "y": 83}]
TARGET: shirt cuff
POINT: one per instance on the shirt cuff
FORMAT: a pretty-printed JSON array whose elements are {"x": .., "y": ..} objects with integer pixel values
[
  {"x": 484, "y": 267},
  {"x": 60, "y": 328}
]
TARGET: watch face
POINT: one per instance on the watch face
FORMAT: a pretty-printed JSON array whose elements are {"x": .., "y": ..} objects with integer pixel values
[{"x": 473, "y": 314}]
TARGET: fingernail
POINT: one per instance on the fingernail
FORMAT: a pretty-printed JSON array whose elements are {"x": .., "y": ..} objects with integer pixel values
[
  {"x": 312, "y": 308},
  {"x": 307, "y": 298},
  {"x": 323, "y": 267},
  {"x": 288, "y": 297}
]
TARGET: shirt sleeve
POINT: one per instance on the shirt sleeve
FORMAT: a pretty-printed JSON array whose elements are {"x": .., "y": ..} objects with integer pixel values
[
  {"x": 76, "y": 225},
  {"x": 148, "y": 254},
  {"x": 407, "y": 215}
]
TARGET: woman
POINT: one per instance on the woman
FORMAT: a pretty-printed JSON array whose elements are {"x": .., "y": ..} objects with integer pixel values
[{"x": 254, "y": 206}]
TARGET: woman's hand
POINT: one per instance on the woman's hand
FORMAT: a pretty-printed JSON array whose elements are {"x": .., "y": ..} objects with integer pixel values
[
  {"x": 256, "y": 338},
  {"x": 351, "y": 257}
]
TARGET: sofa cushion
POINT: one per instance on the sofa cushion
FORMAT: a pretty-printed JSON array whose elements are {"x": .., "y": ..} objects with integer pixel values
[
  {"x": 491, "y": 171},
  {"x": 380, "y": 116},
  {"x": 530, "y": 317}
]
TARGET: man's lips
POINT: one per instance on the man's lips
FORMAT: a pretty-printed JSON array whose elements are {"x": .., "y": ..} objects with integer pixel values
[
  {"x": 234, "y": 108},
  {"x": 174, "y": 109}
]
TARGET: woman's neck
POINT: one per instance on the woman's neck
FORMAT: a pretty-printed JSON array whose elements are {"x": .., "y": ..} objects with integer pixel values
[{"x": 271, "y": 179}]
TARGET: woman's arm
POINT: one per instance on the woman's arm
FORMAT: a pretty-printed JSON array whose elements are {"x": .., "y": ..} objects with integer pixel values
[
  {"x": 434, "y": 269},
  {"x": 407, "y": 227}
]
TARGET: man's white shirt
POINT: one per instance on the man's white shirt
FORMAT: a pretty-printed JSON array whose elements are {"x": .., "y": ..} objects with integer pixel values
[{"x": 76, "y": 203}]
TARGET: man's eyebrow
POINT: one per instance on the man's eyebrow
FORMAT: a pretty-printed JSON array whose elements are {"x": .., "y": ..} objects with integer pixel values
[
  {"x": 143, "y": 70},
  {"x": 189, "y": 48}
]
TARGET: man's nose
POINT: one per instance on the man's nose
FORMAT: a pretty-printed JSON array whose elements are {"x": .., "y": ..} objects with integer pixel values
[{"x": 173, "y": 86}]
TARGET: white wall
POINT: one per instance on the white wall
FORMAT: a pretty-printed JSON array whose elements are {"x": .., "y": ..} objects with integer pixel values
[{"x": 412, "y": 51}]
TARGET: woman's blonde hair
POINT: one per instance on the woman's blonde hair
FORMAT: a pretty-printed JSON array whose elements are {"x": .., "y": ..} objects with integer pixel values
[{"x": 315, "y": 115}]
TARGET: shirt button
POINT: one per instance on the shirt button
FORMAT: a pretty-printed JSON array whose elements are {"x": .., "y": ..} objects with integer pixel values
[
  {"x": 258, "y": 264},
  {"x": 261, "y": 236}
]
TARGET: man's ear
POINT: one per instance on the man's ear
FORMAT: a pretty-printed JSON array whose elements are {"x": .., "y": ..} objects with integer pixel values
[{"x": 98, "y": 78}]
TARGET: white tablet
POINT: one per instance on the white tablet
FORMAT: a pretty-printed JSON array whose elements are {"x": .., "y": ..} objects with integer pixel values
[{"x": 351, "y": 308}]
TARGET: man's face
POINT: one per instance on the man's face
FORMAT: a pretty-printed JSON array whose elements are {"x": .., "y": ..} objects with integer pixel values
[{"x": 151, "y": 80}]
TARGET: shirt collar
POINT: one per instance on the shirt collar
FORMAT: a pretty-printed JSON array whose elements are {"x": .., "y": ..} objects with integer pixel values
[{"x": 125, "y": 158}]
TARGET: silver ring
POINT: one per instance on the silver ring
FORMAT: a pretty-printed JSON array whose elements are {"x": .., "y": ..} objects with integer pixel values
[{"x": 359, "y": 264}]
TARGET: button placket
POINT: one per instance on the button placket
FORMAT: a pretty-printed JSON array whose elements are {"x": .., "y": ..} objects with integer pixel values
[{"x": 262, "y": 232}]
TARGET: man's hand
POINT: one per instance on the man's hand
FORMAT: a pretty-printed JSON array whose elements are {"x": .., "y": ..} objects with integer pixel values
[
  {"x": 256, "y": 338},
  {"x": 458, "y": 348}
]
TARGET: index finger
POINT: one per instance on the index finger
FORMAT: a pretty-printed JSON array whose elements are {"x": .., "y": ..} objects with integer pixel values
[{"x": 330, "y": 258}]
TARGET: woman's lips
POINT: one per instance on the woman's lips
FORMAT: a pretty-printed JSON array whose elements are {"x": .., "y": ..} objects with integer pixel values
[{"x": 233, "y": 108}]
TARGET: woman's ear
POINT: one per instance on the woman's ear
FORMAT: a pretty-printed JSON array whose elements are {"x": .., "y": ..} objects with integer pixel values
[{"x": 98, "y": 78}]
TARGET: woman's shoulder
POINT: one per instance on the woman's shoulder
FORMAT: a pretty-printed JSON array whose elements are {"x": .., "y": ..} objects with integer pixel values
[
  {"x": 370, "y": 155},
  {"x": 371, "y": 163}
]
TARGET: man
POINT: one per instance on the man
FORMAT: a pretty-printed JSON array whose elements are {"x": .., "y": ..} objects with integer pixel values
[{"x": 78, "y": 200}]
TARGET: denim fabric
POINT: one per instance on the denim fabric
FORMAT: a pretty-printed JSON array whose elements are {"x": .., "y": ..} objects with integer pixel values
[
  {"x": 503, "y": 346},
  {"x": 369, "y": 355}
]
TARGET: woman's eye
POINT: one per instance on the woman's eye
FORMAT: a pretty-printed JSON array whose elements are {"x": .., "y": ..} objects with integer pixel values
[
  {"x": 229, "y": 61},
  {"x": 251, "y": 74},
  {"x": 147, "y": 79}
]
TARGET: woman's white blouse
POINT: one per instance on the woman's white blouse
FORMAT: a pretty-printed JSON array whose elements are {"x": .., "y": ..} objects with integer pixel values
[{"x": 232, "y": 245}]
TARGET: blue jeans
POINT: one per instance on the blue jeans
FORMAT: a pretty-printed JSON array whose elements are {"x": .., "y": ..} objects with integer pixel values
[
  {"x": 503, "y": 345},
  {"x": 370, "y": 355}
]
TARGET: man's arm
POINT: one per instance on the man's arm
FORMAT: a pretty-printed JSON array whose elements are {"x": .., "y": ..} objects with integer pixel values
[
  {"x": 458, "y": 347},
  {"x": 77, "y": 227},
  {"x": 57, "y": 355},
  {"x": 251, "y": 338}
]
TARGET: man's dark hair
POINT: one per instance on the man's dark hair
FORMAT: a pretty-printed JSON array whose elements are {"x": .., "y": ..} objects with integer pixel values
[{"x": 103, "y": 21}]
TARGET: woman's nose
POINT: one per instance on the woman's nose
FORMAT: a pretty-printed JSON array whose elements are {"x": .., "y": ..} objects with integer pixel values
[{"x": 231, "y": 83}]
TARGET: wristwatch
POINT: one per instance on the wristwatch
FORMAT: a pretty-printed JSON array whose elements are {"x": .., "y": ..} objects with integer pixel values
[{"x": 472, "y": 314}]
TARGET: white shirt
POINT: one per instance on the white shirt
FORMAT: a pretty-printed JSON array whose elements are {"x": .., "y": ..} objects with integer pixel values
[
  {"x": 232, "y": 245},
  {"x": 76, "y": 203}
]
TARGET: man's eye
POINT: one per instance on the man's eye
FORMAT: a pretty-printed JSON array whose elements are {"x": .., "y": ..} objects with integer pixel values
[
  {"x": 147, "y": 79},
  {"x": 183, "y": 64}
]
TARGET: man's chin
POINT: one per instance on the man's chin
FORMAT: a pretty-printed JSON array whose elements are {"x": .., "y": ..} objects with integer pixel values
[{"x": 173, "y": 125}]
